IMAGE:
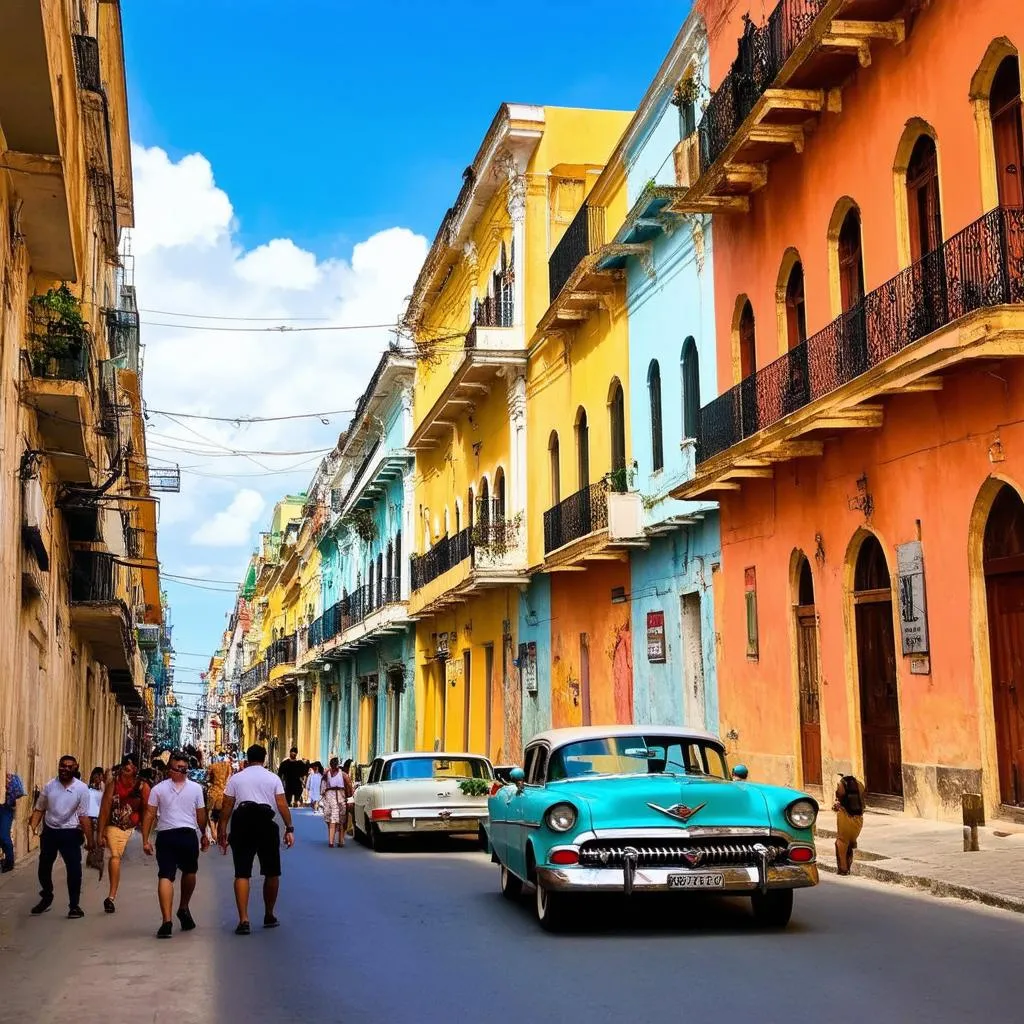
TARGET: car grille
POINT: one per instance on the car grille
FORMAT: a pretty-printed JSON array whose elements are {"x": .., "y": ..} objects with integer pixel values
[{"x": 713, "y": 851}]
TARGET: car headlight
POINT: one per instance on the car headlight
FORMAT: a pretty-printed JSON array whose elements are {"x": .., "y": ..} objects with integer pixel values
[
  {"x": 561, "y": 817},
  {"x": 802, "y": 813}
]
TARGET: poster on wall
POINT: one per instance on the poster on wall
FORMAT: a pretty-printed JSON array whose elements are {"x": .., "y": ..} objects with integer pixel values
[
  {"x": 913, "y": 610},
  {"x": 528, "y": 666},
  {"x": 656, "y": 637}
]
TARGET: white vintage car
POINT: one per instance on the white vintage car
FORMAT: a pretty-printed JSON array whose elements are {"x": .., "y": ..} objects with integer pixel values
[{"x": 410, "y": 793}]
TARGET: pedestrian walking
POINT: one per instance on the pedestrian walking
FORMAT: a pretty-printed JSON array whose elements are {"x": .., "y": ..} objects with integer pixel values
[
  {"x": 124, "y": 802},
  {"x": 336, "y": 788},
  {"x": 250, "y": 799},
  {"x": 849, "y": 808},
  {"x": 292, "y": 772},
  {"x": 97, "y": 781},
  {"x": 14, "y": 790},
  {"x": 178, "y": 809},
  {"x": 217, "y": 774},
  {"x": 63, "y": 810},
  {"x": 314, "y": 780},
  {"x": 350, "y": 802}
]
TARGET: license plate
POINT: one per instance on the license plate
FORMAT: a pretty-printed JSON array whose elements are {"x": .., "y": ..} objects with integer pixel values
[{"x": 696, "y": 881}]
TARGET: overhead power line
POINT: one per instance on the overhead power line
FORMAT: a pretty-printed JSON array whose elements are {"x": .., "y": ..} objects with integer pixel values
[
  {"x": 213, "y": 316},
  {"x": 250, "y": 419},
  {"x": 278, "y": 329}
]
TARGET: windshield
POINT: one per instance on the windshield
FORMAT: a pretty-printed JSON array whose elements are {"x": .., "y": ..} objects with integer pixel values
[
  {"x": 437, "y": 768},
  {"x": 637, "y": 755}
]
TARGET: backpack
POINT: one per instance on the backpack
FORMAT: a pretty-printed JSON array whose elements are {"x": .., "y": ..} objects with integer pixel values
[
  {"x": 15, "y": 788},
  {"x": 851, "y": 801}
]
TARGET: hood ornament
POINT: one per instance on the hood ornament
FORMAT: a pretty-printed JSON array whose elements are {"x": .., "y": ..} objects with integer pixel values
[{"x": 679, "y": 811}]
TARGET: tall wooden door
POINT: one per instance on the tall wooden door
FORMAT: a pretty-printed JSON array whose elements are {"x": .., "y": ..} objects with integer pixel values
[
  {"x": 585, "y": 678},
  {"x": 810, "y": 713},
  {"x": 879, "y": 697},
  {"x": 694, "y": 709},
  {"x": 1006, "y": 639}
]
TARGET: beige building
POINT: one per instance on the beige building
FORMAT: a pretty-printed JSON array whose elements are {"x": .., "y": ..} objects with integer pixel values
[{"x": 79, "y": 583}]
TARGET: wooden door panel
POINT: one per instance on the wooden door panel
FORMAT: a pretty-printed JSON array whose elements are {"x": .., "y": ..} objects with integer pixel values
[
  {"x": 810, "y": 712},
  {"x": 1006, "y": 639},
  {"x": 879, "y": 699}
]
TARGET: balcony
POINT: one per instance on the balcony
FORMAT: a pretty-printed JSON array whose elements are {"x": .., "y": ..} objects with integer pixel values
[
  {"x": 282, "y": 653},
  {"x": 499, "y": 548},
  {"x": 99, "y": 614},
  {"x": 788, "y": 72},
  {"x": 493, "y": 326},
  {"x": 254, "y": 676},
  {"x": 594, "y": 523},
  {"x": 585, "y": 235},
  {"x": 447, "y": 553},
  {"x": 575, "y": 517},
  {"x": 893, "y": 342}
]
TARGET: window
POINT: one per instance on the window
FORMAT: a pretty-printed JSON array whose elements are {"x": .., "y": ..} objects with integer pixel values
[
  {"x": 398, "y": 554},
  {"x": 617, "y": 425},
  {"x": 380, "y": 579},
  {"x": 748, "y": 346},
  {"x": 851, "y": 262},
  {"x": 923, "y": 213},
  {"x": 691, "y": 388},
  {"x": 1008, "y": 136},
  {"x": 582, "y": 449},
  {"x": 485, "y": 503},
  {"x": 391, "y": 560},
  {"x": 556, "y": 473},
  {"x": 750, "y": 599},
  {"x": 796, "y": 314},
  {"x": 654, "y": 395},
  {"x": 499, "y": 493}
]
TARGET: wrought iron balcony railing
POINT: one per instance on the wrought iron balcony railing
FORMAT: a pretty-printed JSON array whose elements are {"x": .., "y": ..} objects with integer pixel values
[
  {"x": 282, "y": 651},
  {"x": 763, "y": 50},
  {"x": 255, "y": 675},
  {"x": 444, "y": 555},
  {"x": 369, "y": 598},
  {"x": 94, "y": 577},
  {"x": 62, "y": 357},
  {"x": 980, "y": 267},
  {"x": 580, "y": 514},
  {"x": 582, "y": 237},
  {"x": 315, "y": 636}
]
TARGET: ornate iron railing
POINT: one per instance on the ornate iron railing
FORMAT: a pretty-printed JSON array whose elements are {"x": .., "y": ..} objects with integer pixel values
[
  {"x": 94, "y": 577},
  {"x": 763, "y": 50},
  {"x": 281, "y": 652},
  {"x": 580, "y": 514},
  {"x": 444, "y": 555},
  {"x": 315, "y": 636},
  {"x": 494, "y": 310},
  {"x": 61, "y": 357},
  {"x": 582, "y": 237},
  {"x": 981, "y": 266},
  {"x": 255, "y": 675}
]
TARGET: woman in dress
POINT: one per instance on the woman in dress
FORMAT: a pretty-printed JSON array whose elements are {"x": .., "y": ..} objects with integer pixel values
[
  {"x": 124, "y": 800},
  {"x": 314, "y": 780},
  {"x": 336, "y": 789}
]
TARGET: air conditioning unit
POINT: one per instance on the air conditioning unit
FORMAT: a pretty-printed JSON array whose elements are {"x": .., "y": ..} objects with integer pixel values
[{"x": 687, "y": 160}]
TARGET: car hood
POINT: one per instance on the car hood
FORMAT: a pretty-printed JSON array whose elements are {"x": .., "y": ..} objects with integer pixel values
[{"x": 625, "y": 801}]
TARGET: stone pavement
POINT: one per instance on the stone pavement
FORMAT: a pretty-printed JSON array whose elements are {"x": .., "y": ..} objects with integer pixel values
[{"x": 929, "y": 855}]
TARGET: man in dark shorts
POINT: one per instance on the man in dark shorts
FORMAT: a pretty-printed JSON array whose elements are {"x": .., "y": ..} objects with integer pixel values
[
  {"x": 178, "y": 808},
  {"x": 293, "y": 773},
  {"x": 250, "y": 799}
]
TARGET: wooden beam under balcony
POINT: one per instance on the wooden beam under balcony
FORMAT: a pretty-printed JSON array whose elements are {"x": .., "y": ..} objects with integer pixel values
[
  {"x": 850, "y": 44},
  {"x": 778, "y": 135},
  {"x": 750, "y": 473},
  {"x": 713, "y": 204},
  {"x": 810, "y": 101},
  {"x": 787, "y": 450},
  {"x": 750, "y": 176},
  {"x": 895, "y": 31},
  {"x": 857, "y": 417},
  {"x": 915, "y": 387}
]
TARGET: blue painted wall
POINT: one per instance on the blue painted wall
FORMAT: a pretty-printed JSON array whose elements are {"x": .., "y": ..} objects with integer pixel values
[{"x": 535, "y": 626}]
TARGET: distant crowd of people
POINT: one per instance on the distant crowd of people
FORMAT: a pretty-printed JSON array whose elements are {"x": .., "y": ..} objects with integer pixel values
[{"x": 181, "y": 802}]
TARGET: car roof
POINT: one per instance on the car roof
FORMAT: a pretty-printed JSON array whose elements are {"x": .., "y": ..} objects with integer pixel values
[
  {"x": 437, "y": 755},
  {"x": 560, "y": 737}
]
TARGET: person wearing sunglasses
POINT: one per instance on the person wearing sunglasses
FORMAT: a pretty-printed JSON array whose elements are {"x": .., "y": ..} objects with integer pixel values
[{"x": 177, "y": 807}]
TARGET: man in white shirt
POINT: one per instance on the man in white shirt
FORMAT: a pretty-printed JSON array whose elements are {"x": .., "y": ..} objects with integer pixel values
[
  {"x": 63, "y": 808},
  {"x": 178, "y": 808},
  {"x": 251, "y": 797}
]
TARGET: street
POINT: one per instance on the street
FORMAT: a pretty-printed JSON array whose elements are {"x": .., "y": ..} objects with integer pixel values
[{"x": 423, "y": 935}]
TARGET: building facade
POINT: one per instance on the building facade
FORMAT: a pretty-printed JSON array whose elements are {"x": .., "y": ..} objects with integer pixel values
[
  {"x": 864, "y": 176},
  {"x": 78, "y": 562}
]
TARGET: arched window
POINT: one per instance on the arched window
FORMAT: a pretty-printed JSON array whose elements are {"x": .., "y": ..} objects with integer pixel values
[
  {"x": 391, "y": 560},
  {"x": 796, "y": 313},
  {"x": 499, "y": 493},
  {"x": 470, "y": 509},
  {"x": 1007, "y": 132},
  {"x": 582, "y": 449},
  {"x": 369, "y": 585},
  {"x": 556, "y": 472},
  {"x": 924, "y": 217},
  {"x": 851, "y": 261},
  {"x": 380, "y": 578},
  {"x": 458, "y": 516},
  {"x": 691, "y": 388},
  {"x": 617, "y": 424},
  {"x": 446, "y": 521},
  {"x": 748, "y": 341},
  {"x": 484, "y": 512},
  {"x": 654, "y": 396}
]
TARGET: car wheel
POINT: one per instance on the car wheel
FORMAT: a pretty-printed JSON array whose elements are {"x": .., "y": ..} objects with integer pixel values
[
  {"x": 552, "y": 909},
  {"x": 511, "y": 885},
  {"x": 774, "y": 908},
  {"x": 380, "y": 842}
]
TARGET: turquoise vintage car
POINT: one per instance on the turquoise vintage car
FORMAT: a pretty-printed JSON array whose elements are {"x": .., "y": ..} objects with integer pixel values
[{"x": 647, "y": 809}]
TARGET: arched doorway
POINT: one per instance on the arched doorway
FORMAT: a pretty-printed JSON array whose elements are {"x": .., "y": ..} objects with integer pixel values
[
  {"x": 807, "y": 674},
  {"x": 1007, "y": 132},
  {"x": 1003, "y": 554},
  {"x": 876, "y": 670}
]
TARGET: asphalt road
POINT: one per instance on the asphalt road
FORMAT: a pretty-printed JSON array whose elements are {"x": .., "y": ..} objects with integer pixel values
[{"x": 422, "y": 935}]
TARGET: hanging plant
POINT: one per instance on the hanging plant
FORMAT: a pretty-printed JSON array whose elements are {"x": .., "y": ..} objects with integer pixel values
[
  {"x": 362, "y": 523},
  {"x": 496, "y": 536},
  {"x": 687, "y": 91},
  {"x": 58, "y": 329}
]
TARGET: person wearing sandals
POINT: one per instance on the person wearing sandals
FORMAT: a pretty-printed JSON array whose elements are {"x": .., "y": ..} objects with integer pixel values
[
  {"x": 124, "y": 800},
  {"x": 250, "y": 799},
  {"x": 314, "y": 780},
  {"x": 336, "y": 789}
]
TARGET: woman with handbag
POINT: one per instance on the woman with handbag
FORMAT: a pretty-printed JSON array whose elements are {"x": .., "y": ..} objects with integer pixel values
[{"x": 336, "y": 788}]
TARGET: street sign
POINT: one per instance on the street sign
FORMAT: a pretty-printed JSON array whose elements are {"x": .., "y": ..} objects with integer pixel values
[
  {"x": 913, "y": 610},
  {"x": 656, "y": 653}
]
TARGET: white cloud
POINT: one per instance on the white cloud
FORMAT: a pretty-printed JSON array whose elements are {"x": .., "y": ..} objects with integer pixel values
[
  {"x": 189, "y": 260},
  {"x": 232, "y": 527}
]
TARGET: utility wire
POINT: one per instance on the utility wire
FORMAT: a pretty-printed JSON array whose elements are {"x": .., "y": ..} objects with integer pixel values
[
  {"x": 211, "y": 316},
  {"x": 279, "y": 329},
  {"x": 250, "y": 419}
]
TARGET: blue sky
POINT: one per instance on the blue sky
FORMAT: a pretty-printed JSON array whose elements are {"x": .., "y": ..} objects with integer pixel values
[{"x": 323, "y": 125}]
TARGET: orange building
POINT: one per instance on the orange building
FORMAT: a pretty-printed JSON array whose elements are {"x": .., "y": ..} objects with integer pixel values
[{"x": 863, "y": 159}]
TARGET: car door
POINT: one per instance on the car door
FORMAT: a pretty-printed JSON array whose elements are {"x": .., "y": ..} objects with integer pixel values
[
  {"x": 524, "y": 807},
  {"x": 367, "y": 796},
  {"x": 502, "y": 831}
]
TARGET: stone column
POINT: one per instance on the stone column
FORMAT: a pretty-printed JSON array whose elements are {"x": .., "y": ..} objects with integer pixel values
[{"x": 516, "y": 482}]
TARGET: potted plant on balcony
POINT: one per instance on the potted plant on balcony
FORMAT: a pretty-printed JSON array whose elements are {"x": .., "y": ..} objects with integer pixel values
[
  {"x": 361, "y": 522},
  {"x": 58, "y": 331}
]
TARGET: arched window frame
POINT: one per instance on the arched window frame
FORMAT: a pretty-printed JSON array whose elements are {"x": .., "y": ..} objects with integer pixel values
[
  {"x": 690, "y": 372},
  {"x": 980, "y": 94},
  {"x": 617, "y": 425},
  {"x": 554, "y": 468},
  {"x": 581, "y": 430},
  {"x": 657, "y": 429}
]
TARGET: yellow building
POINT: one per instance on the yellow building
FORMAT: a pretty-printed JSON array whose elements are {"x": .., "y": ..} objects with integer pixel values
[
  {"x": 78, "y": 562},
  {"x": 475, "y": 307}
]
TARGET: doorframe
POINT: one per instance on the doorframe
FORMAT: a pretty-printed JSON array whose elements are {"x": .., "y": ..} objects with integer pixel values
[
  {"x": 684, "y": 593},
  {"x": 795, "y": 559},
  {"x": 978, "y": 604},
  {"x": 852, "y": 661}
]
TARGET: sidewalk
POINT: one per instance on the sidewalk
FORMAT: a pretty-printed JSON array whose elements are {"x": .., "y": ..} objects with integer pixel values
[{"x": 929, "y": 855}]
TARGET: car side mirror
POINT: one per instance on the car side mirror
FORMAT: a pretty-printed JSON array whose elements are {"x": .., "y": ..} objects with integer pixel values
[
  {"x": 740, "y": 773},
  {"x": 518, "y": 778}
]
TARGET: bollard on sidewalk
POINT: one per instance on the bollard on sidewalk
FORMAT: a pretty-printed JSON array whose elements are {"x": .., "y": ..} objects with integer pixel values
[{"x": 974, "y": 815}]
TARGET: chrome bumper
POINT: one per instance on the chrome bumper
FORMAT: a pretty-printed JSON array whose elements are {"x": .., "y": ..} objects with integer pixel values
[
  {"x": 735, "y": 879},
  {"x": 430, "y": 822}
]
